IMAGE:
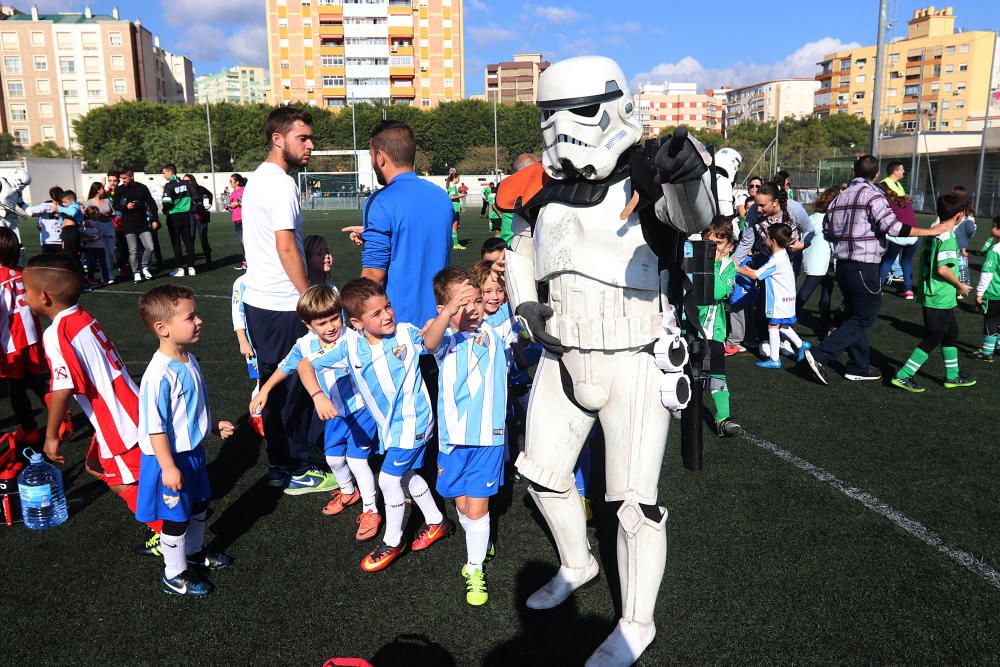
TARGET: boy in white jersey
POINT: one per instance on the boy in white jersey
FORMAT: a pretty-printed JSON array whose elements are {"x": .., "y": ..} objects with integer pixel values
[
  {"x": 348, "y": 439},
  {"x": 174, "y": 417},
  {"x": 779, "y": 283},
  {"x": 247, "y": 352},
  {"x": 384, "y": 367},
  {"x": 472, "y": 409}
]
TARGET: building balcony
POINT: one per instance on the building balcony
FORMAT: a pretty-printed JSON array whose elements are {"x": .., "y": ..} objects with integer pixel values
[
  {"x": 403, "y": 91},
  {"x": 366, "y": 30},
  {"x": 401, "y": 50}
]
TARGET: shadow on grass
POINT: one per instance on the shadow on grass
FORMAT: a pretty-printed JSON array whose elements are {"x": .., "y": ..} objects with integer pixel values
[
  {"x": 412, "y": 650},
  {"x": 559, "y": 636}
]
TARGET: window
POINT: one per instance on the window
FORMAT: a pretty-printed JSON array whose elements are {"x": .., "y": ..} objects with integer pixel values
[
  {"x": 8, "y": 40},
  {"x": 21, "y": 137},
  {"x": 69, "y": 92},
  {"x": 963, "y": 67},
  {"x": 282, "y": 23},
  {"x": 424, "y": 102},
  {"x": 859, "y": 79},
  {"x": 90, "y": 41},
  {"x": 891, "y": 92},
  {"x": 118, "y": 62},
  {"x": 94, "y": 89},
  {"x": 333, "y": 81},
  {"x": 18, "y": 112},
  {"x": 449, "y": 83},
  {"x": 944, "y": 123},
  {"x": 959, "y": 104},
  {"x": 48, "y": 133},
  {"x": 64, "y": 40},
  {"x": 845, "y": 82},
  {"x": 331, "y": 61},
  {"x": 957, "y": 122},
  {"x": 12, "y": 64},
  {"x": 114, "y": 39},
  {"x": 120, "y": 87},
  {"x": 893, "y": 58},
  {"x": 947, "y": 87},
  {"x": 948, "y": 69},
  {"x": 38, "y": 38},
  {"x": 960, "y": 86},
  {"x": 42, "y": 87},
  {"x": 41, "y": 63},
  {"x": 964, "y": 48},
  {"x": 911, "y": 91},
  {"x": 15, "y": 89},
  {"x": 45, "y": 109},
  {"x": 936, "y": 71},
  {"x": 946, "y": 104},
  {"x": 67, "y": 65},
  {"x": 859, "y": 96},
  {"x": 935, "y": 87},
  {"x": 91, "y": 64},
  {"x": 949, "y": 50}
]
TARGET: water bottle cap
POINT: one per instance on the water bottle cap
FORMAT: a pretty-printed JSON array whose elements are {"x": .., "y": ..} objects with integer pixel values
[{"x": 33, "y": 456}]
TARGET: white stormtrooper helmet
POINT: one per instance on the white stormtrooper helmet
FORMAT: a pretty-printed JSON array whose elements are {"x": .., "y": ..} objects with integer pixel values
[
  {"x": 21, "y": 179},
  {"x": 587, "y": 117},
  {"x": 728, "y": 160}
]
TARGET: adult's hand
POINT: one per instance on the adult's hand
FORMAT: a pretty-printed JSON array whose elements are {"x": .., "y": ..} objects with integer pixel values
[
  {"x": 533, "y": 315},
  {"x": 354, "y": 233}
]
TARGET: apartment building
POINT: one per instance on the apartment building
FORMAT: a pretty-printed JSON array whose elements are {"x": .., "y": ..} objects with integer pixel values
[
  {"x": 516, "y": 80},
  {"x": 770, "y": 100},
  {"x": 58, "y": 67},
  {"x": 943, "y": 73},
  {"x": 328, "y": 52},
  {"x": 241, "y": 84},
  {"x": 672, "y": 104}
]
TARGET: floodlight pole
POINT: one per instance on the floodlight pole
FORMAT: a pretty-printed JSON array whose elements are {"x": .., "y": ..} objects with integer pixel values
[
  {"x": 915, "y": 158},
  {"x": 496, "y": 144},
  {"x": 877, "y": 92},
  {"x": 211, "y": 152},
  {"x": 986, "y": 124}
]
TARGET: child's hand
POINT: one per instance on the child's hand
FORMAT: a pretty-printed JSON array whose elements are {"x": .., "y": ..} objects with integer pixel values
[
  {"x": 224, "y": 429},
  {"x": 465, "y": 295},
  {"x": 172, "y": 478},
  {"x": 257, "y": 403},
  {"x": 246, "y": 350},
  {"x": 51, "y": 450},
  {"x": 964, "y": 289},
  {"x": 979, "y": 300},
  {"x": 324, "y": 407},
  {"x": 965, "y": 252}
]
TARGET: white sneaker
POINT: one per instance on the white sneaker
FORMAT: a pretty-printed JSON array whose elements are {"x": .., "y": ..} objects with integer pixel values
[
  {"x": 190, "y": 270},
  {"x": 137, "y": 277},
  {"x": 623, "y": 646},
  {"x": 146, "y": 274},
  {"x": 561, "y": 586},
  {"x": 179, "y": 273}
]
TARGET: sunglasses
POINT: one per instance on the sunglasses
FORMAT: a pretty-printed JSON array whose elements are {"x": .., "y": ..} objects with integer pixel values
[{"x": 754, "y": 186}]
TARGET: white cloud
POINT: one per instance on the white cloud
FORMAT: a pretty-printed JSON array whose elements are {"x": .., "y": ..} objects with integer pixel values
[
  {"x": 801, "y": 63},
  {"x": 52, "y": 6},
  {"x": 632, "y": 27},
  {"x": 558, "y": 14},
  {"x": 200, "y": 12},
  {"x": 202, "y": 42},
  {"x": 248, "y": 46},
  {"x": 490, "y": 34},
  {"x": 479, "y": 6}
]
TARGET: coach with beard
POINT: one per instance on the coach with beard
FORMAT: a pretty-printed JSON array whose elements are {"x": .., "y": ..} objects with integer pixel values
[{"x": 276, "y": 276}]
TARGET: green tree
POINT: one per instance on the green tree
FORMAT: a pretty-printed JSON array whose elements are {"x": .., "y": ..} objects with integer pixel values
[
  {"x": 47, "y": 149},
  {"x": 8, "y": 146},
  {"x": 483, "y": 160}
]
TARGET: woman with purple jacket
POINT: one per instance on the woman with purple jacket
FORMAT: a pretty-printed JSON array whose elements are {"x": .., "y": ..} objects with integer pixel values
[{"x": 904, "y": 247}]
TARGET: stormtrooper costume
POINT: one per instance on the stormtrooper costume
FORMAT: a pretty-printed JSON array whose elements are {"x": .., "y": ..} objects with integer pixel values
[
  {"x": 12, "y": 201},
  {"x": 612, "y": 344}
]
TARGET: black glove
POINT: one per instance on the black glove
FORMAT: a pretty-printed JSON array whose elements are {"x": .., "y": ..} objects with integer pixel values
[
  {"x": 678, "y": 160},
  {"x": 534, "y": 315},
  {"x": 642, "y": 168}
]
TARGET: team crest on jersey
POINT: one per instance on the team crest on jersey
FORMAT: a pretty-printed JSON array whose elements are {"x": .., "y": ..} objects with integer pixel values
[
  {"x": 62, "y": 373},
  {"x": 399, "y": 352},
  {"x": 171, "y": 501},
  {"x": 483, "y": 339}
]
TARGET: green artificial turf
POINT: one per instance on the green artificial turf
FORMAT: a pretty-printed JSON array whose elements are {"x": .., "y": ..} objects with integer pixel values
[{"x": 766, "y": 563}]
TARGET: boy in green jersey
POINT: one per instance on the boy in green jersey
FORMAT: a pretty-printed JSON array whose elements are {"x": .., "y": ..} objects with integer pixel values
[
  {"x": 456, "y": 202},
  {"x": 938, "y": 288},
  {"x": 713, "y": 322},
  {"x": 988, "y": 296}
]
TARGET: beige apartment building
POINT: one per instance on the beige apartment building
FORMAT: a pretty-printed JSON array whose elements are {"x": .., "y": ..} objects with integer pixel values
[
  {"x": 672, "y": 104},
  {"x": 770, "y": 100},
  {"x": 944, "y": 73},
  {"x": 328, "y": 52},
  {"x": 241, "y": 84},
  {"x": 515, "y": 80},
  {"x": 57, "y": 67}
]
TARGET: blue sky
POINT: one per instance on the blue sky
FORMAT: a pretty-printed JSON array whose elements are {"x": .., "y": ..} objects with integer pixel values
[{"x": 708, "y": 42}]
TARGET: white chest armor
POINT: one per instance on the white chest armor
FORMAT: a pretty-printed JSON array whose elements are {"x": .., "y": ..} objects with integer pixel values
[{"x": 604, "y": 285}]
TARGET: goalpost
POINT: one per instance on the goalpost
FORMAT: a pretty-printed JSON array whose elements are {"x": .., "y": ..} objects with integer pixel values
[{"x": 334, "y": 190}]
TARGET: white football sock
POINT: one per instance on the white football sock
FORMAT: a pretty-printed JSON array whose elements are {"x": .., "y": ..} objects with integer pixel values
[
  {"x": 395, "y": 508},
  {"x": 774, "y": 340},
  {"x": 792, "y": 337},
  {"x": 421, "y": 495},
  {"x": 477, "y": 541},
  {"x": 194, "y": 540},
  {"x": 365, "y": 480},
  {"x": 174, "y": 557},
  {"x": 342, "y": 473}
]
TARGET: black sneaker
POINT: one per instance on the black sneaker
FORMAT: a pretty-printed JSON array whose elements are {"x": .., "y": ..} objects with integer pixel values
[
  {"x": 150, "y": 548},
  {"x": 210, "y": 560},
  {"x": 188, "y": 583},
  {"x": 861, "y": 376},
  {"x": 816, "y": 367},
  {"x": 959, "y": 381},
  {"x": 907, "y": 384},
  {"x": 727, "y": 428}
]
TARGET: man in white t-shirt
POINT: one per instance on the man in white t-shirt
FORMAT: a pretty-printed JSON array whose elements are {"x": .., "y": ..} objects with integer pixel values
[{"x": 276, "y": 276}]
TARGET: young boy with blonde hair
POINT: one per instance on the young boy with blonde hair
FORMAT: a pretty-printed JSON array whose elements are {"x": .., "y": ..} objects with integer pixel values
[
  {"x": 349, "y": 438},
  {"x": 174, "y": 418}
]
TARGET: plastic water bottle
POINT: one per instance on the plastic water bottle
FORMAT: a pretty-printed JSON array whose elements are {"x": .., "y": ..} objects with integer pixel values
[{"x": 40, "y": 485}]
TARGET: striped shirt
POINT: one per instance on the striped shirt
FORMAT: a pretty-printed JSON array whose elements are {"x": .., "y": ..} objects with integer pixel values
[
  {"x": 18, "y": 325},
  {"x": 858, "y": 221},
  {"x": 387, "y": 375},
  {"x": 335, "y": 380},
  {"x": 173, "y": 401},
  {"x": 507, "y": 328},
  {"x": 238, "y": 310},
  {"x": 472, "y": 391},
  {"x": 83, "y": 359}
]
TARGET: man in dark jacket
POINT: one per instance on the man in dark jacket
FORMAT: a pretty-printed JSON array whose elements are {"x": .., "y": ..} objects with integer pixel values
[
  {"x": 203, "y": 201},
  {"x": 133, "y": 201},
  {"x": 179, "y": 205}
]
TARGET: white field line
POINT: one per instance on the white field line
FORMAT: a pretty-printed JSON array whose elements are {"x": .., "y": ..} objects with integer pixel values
[
  {"x": 914, "y": 528},
  {"x": 112, "y": 292}
]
